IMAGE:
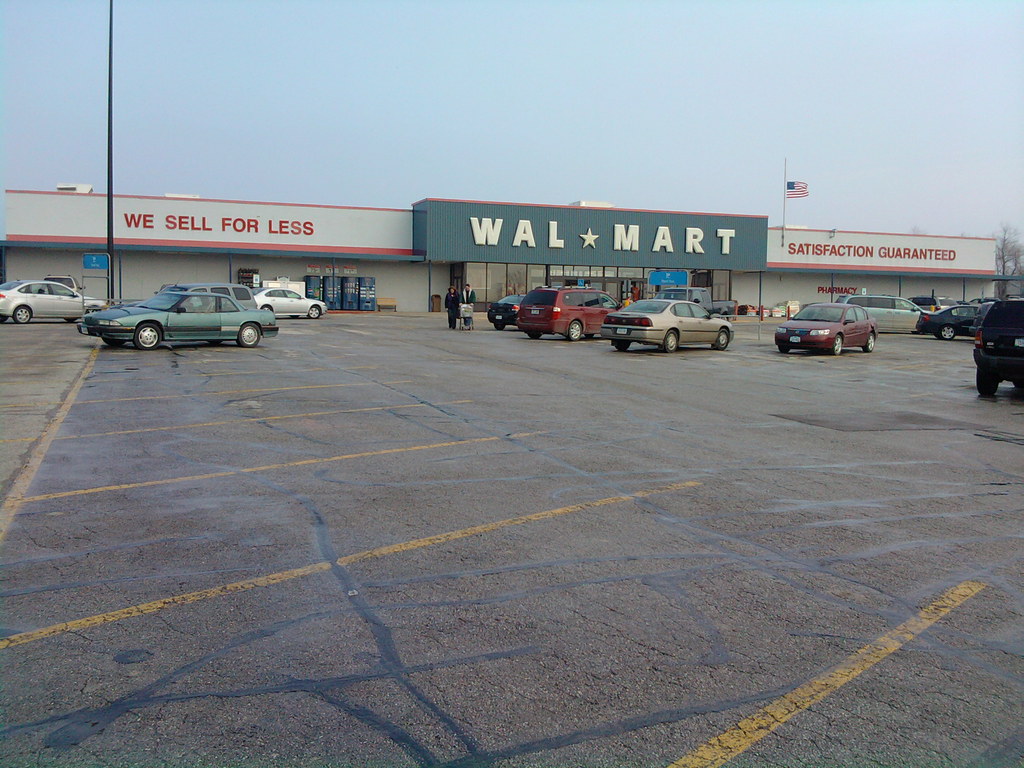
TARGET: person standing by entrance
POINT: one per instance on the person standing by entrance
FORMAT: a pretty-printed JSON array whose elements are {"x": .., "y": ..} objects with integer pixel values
[
  {"x": 467, "y": 298},
  {"x": 451, "y": 304}
]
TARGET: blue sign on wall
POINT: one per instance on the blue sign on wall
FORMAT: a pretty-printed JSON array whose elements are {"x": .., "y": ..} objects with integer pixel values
[
  {"x": 670, "y": 278},
  {"x": 95, "y": 261}
]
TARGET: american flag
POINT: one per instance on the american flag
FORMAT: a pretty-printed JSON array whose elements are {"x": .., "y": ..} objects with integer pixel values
[{"x": 796, "y": 189}]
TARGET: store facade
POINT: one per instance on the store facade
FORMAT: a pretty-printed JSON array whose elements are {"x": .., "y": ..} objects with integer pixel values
[{"x": 414, "y": 254}]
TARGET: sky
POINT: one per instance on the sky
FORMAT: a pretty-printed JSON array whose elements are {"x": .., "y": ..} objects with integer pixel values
[{"x": 900, "y": 116}]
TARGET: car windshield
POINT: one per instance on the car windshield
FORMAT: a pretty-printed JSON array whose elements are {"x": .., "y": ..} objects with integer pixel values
[
  {"x": 510, "y": 300},
  {"x": 10, "y": 286},
  {"x": 820, "y": 314},
  {"x": 162, "y": 301},
  {"x": 650, "y": 306}
]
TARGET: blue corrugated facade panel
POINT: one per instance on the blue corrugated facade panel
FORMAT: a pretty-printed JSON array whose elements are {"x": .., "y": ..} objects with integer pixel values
[{"x": 515, "y": 233}]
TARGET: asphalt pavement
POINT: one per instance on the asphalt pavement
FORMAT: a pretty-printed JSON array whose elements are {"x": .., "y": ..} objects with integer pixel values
[{"x": 375, "y": 541}]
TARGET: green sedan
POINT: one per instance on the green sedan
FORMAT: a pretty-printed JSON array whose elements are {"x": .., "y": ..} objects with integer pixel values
[{"x": 169, "y": 317}]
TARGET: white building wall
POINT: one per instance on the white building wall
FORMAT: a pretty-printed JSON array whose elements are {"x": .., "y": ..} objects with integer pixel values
[{"x": 809, "y": 287}]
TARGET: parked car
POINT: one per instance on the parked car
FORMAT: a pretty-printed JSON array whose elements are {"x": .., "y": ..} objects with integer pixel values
[
  {"x": 571, "y": 312},
  {"x": 999, "y": 347},
  {"x": 934, "y": 303},
  {"x": 504, "y": 311},
  {"x": 892, "y": 313},
  {"x": 828, "y": 327},
  {"x": 700, "y": 296},
  {"x": 240, "y": 293},
  {"x": 288, "y": 303},
  {"x": 950, "y": 322},
  {"x": 978, "y": 318},
  {"x": 666, "y": 324},
  {"x": 177, "y": 316},
  {"x": 22, "y": 300}
]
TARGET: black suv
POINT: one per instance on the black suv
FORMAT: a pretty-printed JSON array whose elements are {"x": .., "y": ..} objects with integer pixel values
[{"x": 999, "y": 346}]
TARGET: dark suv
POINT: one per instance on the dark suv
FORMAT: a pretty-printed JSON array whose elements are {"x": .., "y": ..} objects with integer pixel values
[
  {"x": 999, "y": 346},
  {"x": 571, "y": 312}
]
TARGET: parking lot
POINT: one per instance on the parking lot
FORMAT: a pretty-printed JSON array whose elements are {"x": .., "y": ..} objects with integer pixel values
[{"x": 374, "y": 541}]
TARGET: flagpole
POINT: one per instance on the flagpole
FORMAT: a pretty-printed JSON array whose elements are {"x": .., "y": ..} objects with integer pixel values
[{"x": 785, "y": 177}]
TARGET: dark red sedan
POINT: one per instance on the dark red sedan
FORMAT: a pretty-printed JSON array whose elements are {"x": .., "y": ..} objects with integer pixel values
[{"x": 828, "y": 328}]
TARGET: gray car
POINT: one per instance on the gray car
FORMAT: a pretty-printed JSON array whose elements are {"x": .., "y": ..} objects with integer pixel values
[
  {"x": 284, "y": 302},
  {"x": 892, "y": 313},
  {"x": 666, "y": 324},
  {"x": 22, "y": 300}
]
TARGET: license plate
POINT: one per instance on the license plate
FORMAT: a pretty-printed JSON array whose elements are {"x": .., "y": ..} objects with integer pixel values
[
  {"x": 534, "y": 311},
  {"x": 499, "y": 317},
  {"x": 794, "y": 339},
  {"x": 622, "y": 331},
  {"x": 1018, "y": 342}
]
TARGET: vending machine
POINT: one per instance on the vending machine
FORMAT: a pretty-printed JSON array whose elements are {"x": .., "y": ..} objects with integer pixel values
[
  {"x": 368, "y": 294},
  {"x": 332, "y": 291},
  {"x": 315, "y": 287},
  {"x": 350, "y": 293}
]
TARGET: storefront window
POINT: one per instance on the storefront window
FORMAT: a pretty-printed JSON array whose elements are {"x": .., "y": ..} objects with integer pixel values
[
  {"x": 535, "y": 276},
  {"x": 496, "y": 275},
  {"x": 476, "y": 276},
  {"x": 516, "y": 282}
]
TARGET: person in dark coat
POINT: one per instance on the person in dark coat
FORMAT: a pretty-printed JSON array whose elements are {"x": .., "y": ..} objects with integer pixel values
[{"x": 451, "y": 303}]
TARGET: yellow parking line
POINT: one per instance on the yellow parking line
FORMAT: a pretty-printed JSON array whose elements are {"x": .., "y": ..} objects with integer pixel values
[
  {"x": 738, "y": 739},
  {"x": 268, "y": 467},
  {"x": 15, "y": 498},
  {"x": 258, "y": 418},
  {"x": 153, "y": 606}
]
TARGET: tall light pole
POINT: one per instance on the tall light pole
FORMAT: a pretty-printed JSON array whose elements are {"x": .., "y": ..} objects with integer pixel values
[{"x": 110, "y": 158}]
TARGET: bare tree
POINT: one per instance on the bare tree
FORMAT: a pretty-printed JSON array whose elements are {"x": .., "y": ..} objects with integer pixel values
[{"x": 1009, "y": 256}]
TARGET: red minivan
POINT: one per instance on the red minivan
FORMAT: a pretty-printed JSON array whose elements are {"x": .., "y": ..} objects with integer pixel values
[{"x": 570, "y": 312}]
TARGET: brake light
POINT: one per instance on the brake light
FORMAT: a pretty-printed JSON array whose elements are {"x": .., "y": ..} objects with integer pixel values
[
  {"x": 926, "y": 318},
  {"x": 555, "y": 310},
  {"x": 977, "y": 340},
  {"x": 515, "y": 307},
  {"x": 643, "y": 322}
]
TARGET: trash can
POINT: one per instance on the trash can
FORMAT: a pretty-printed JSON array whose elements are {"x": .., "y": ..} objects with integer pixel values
[{"x": 435, "y": 302}]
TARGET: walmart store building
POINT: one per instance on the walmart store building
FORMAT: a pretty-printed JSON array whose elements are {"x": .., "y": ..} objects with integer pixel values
[{"x": 413, "y": 255}]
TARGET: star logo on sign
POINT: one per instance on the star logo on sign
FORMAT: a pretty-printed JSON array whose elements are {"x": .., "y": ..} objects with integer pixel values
[{"x": 589, "y": 239}]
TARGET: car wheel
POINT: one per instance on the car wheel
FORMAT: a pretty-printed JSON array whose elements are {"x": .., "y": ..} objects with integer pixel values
[
  {"x": 621, "y": 346},
  {"x": 987, "y": 383},
  {"x": 783, "y": 348},
  {"x": 499, "y": 326},
  {"x": 575, "y": 331},
  {"x": 114, "y": 342},
  {"x": 837, "y": 345},
  {"x": 671, "y": 342},
  {"x": 533, "y": 334},
  {"x": 147, "y": 336},
  {"x": 314, "y": 312},
  {"x": 947, "y": 333},
  {"x": 722, "y": 340},
  {"x": 267, "y": 308},
  {"x": 249, "y": 335},
  {"x": 21, "y": 315},
  {"x": 869, "y": 345}
]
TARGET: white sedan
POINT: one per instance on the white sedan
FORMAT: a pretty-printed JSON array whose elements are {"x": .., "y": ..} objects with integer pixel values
[{"x": 285, "y": 302}]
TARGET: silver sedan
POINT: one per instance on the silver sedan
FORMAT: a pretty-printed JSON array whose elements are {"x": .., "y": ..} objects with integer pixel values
[
  {"x": 666, "y": 324},
  {"x": 284, "y": 302},
  {"x": 22, "y": 300}
]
